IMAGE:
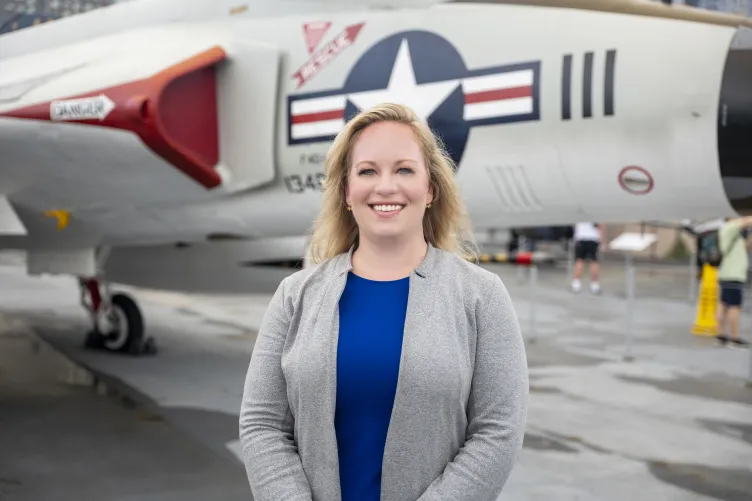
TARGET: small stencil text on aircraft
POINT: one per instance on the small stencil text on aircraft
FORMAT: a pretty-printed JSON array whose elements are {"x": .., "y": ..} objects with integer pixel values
[
  {"x": 88, "y": 108},
  {"x": 327, "y": 53}
]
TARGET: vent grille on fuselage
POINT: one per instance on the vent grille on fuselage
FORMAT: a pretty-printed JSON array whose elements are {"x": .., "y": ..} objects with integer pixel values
[{"x": 514, "y": 189}]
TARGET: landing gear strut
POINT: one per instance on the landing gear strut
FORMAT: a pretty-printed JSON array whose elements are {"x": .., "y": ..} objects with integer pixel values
[{"x": 118, "y": 325}]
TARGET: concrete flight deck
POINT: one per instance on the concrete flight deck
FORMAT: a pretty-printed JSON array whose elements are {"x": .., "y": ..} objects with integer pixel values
[{"x": 674, "y": 424}]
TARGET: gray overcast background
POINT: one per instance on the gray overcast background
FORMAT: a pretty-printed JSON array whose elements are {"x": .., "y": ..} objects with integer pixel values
[{"x": 19, "y": 14}]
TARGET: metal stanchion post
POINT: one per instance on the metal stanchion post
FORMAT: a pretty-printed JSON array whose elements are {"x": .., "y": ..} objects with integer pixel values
[
  {"x": 522, "y": 242},
  {"x": 533, "y": 299},
  {"x": 630, "y": 276},
  {"x": 570, "y": 261},
  {"x": 630, "y": 243}
]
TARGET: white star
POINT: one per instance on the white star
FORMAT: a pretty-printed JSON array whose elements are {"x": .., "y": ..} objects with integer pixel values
[{"x": 423, "y": 99}]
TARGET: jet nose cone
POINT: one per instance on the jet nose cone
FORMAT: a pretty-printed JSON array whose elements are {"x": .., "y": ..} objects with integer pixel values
[{"x": 735, "y": 123}]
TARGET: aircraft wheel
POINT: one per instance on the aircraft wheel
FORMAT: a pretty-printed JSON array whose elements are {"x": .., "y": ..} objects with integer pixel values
[
  {"x": 126, "y": 328},
  {"x": 128, "y": 334}
]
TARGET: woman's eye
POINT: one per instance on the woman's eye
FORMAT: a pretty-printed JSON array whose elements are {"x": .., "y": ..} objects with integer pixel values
[{"x": 404, "y": 170}]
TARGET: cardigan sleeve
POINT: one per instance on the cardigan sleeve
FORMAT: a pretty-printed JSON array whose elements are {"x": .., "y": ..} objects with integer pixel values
[
  {"x": 266, "y": 424},
  {"x": 497, "y": 407}
]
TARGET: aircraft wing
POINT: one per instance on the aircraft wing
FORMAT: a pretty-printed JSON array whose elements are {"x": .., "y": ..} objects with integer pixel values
[{"x": 108, "y": 128}]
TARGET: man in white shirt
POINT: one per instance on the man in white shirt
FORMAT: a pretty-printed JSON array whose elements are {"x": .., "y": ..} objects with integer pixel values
[{"x": 587, "y": 240}]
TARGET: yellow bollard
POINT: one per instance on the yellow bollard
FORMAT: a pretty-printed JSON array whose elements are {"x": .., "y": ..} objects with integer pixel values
[{"x": 706, "y": 323}]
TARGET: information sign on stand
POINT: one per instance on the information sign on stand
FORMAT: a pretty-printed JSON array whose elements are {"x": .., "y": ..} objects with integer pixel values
[{"x": 630, "y": 243}]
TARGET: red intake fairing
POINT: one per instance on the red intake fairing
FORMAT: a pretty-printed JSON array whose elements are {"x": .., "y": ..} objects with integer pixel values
[{"x": 174, "y": 112}]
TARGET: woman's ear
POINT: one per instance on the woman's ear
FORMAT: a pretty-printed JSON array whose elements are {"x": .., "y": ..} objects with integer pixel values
[{"x": 432, "y": 189}]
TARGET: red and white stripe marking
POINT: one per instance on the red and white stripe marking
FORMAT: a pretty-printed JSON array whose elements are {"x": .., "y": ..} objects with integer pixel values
[
  {"x": 502, "y": 94},
  {"x": 488, "y": 96},
  {"x": 322, "y": 116}
]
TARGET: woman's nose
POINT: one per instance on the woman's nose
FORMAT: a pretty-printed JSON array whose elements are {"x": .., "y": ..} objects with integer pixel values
[{"x": 386, "y": 184}]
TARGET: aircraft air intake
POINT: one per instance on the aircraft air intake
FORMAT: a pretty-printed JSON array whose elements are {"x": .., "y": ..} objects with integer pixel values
[
  {"x": 173, "y": 110},
  {"x": 735, "y": 123}
]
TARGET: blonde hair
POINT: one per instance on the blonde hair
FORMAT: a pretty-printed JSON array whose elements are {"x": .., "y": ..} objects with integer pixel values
[{"x": 446, "y": 224}]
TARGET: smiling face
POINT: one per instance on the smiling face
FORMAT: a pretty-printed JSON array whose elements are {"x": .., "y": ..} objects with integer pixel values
[{"x": 388, "y": 184}]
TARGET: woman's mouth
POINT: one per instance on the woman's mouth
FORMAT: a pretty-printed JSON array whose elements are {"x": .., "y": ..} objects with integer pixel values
[{"x": 386, "y": 209}]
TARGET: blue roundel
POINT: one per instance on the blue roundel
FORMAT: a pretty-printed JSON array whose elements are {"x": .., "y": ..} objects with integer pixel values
[
  {"x": 433, "y": 60},
  {"x": 426, "y": 72}
]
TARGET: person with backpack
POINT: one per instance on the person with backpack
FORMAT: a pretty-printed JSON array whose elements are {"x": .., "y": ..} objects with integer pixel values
[{"x": 732, "y": 277}]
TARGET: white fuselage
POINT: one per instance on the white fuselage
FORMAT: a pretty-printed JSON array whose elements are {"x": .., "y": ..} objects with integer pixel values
[{"x": 617, "y": 124}]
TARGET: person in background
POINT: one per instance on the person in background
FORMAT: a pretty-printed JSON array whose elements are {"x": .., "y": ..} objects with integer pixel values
[
  {"x": 392, "y": 369},
  {"x": 514, "y": 241},
  {"x": 732, "y": 277},
  {"x": 587, "y": 241}
]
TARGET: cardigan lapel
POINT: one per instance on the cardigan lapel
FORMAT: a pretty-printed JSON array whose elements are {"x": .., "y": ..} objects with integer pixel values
[
  {"x": 329, "y": 327},
  {"x": 420, "y": 299}
]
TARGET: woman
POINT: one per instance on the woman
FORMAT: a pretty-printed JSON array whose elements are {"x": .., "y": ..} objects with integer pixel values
[{"x": 393, "y": 369}]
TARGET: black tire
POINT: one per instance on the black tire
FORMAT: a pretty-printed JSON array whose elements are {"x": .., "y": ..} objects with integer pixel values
[{"x": 134, "y": 320}]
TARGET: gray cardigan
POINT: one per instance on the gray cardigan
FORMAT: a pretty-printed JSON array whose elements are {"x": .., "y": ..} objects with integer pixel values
[{"x": 461, "y": 404}]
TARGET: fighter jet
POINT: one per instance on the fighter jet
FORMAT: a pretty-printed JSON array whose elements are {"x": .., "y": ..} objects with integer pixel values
[{"x": 134, "y": 133}]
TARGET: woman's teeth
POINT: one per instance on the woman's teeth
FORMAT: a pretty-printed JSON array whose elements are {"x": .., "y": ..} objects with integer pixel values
[{"x": 387, "y": 208}]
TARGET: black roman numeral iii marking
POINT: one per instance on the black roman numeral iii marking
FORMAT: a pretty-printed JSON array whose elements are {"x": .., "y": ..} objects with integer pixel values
[
  {"x": 566, "y": 87},
  {"x": 608, "y": 83},
  {"x": 587, "y": 85}
]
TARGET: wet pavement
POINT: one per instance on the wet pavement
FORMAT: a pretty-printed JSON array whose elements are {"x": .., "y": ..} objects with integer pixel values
[
  {"x": 63, "y": 440},
  {"x": 674, "y": 424}
]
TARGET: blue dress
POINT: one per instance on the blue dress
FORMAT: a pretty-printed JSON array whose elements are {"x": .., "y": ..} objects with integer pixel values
[{"x": 372, "y": 322}]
